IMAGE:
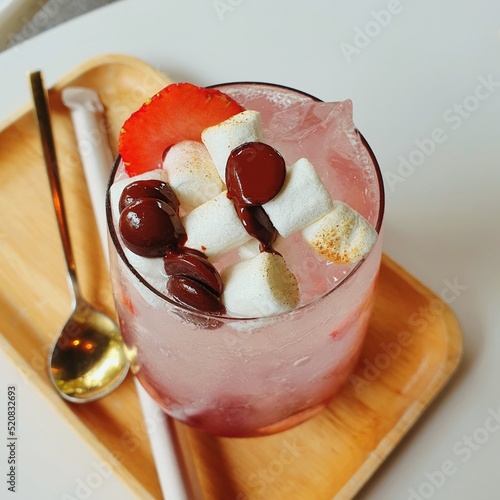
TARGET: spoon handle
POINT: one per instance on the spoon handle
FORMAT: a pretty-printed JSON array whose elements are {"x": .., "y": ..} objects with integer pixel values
[{"x": 39, "y": 94}]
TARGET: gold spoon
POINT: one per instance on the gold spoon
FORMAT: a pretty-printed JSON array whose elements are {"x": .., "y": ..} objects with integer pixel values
[{"x": 88, "y": 360}]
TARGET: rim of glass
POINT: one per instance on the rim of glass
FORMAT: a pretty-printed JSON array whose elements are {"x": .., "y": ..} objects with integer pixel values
[{"x": 118, "y": 245}]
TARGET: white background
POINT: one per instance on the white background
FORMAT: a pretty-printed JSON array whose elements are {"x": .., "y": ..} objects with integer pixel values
[{"x": 406, "y": 78}]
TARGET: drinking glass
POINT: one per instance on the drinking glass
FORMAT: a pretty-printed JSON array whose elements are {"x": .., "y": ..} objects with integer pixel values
[{"x": 247, "y": 377}]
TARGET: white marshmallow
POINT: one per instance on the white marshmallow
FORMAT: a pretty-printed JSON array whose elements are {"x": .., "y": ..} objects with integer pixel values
[
  {"x": 151, "y": 269},
  {"x": 342, "y": 235},
  {"x": 214, "y": 227},
  {"x": 222, "y": 138},
  {"x": 192, "y": 174},
  {"x": 259, "y": 287},
  {"x": 302, "y": 199},
  {"x": 117, "y": 188},
  {"x": 249, "y": 249}
]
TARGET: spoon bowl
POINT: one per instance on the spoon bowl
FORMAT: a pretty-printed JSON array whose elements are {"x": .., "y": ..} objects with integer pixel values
[{"x": 89, "y": 359}]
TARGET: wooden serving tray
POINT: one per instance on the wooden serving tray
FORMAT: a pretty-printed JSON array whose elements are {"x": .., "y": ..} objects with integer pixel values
[{"x": 412, "y": 348}]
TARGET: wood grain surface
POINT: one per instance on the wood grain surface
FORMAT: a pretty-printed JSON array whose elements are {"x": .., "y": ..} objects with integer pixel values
[{"x": 412, "y": 348}]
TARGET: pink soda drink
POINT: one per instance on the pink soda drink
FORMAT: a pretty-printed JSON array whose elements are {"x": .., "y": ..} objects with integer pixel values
[{"x": 234, "y": 375}]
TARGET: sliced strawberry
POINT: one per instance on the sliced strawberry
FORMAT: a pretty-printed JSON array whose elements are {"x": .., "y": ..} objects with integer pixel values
[{"x": 180, "y": 111}]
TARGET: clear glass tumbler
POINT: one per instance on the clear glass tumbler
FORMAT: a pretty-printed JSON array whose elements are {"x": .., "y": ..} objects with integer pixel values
[{"x": 257, "y": 376}]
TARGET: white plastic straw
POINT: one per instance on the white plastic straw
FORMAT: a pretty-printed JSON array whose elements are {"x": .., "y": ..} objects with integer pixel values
[{"x": 90, "y": 128}]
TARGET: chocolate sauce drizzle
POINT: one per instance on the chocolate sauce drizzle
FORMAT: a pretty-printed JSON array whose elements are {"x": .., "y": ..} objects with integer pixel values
[
  {"x": 150, "y": 226},
  {"x": 255, "y": 173}
]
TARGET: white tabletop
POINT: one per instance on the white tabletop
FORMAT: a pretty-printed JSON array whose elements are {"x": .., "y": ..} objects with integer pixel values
[{"x": 425, "y": 80}]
